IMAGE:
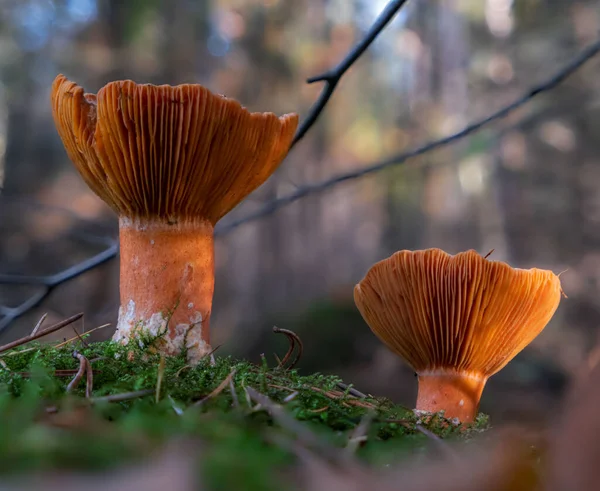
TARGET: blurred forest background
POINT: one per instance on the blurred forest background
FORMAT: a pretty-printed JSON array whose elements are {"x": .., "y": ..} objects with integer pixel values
[{"x": 527, "y": 187}]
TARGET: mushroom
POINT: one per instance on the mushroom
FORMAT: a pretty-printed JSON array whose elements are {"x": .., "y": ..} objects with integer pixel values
[
  {"x": 456, "y": 320},
  {"x": 171, "y": 162}
]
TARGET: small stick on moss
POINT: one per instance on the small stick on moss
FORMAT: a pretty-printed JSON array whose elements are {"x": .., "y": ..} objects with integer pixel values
[
  {"x": 218, "y": 390},
  {"x": 281, "y": 387},
  {"x": 291, "y": 397},
  {"x": 351, "y": 390},
  {"x": 293, "y": 338},
  {"x": 39, "y": 324},
  {"x": 79, "y": 375},
  {"x": 320, "y": 410},
  {"x": 37, "y": 335},
  {"x": 359, "y": 434},
  {"x": 159, "y": 378},
  {"x": 56, "y": 373},
  {"x": 125, "y": 396}
]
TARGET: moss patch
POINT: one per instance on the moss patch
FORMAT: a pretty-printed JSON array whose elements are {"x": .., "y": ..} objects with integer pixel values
[{"x": 43, "y": 427}]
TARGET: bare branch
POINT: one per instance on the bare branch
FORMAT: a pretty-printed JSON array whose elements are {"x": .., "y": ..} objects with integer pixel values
[
  {"x": 304, "y": 191},
  {"x": 333, "y": 76},
  {"x": 48, "y": 283}
]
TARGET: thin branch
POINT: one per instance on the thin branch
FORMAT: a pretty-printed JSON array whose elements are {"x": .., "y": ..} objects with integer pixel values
[
  {"x": 48, "y": 283},
  {"x": 556, "y": 79},
  {"x": 333, "y": 76},
  {"x": 33, "y": 337}
]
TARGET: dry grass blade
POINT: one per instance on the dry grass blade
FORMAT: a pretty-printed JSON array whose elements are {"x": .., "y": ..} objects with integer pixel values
[
  {"x": 79, "y": 336},
  {"x": 39, "y": 324},
  {"x": 37, "y": 335},
  {"x": 218, "y": 390}
]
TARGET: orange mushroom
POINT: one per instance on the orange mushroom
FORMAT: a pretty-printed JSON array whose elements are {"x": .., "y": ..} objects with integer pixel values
[
  {"x": 456, "y": 320},
  {"x": 171, "y": 162}
]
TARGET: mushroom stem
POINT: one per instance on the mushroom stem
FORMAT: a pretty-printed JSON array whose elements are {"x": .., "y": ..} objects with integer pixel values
[
  {"x": 167, "y": 283},
  {"x": 457, "y": 393}
]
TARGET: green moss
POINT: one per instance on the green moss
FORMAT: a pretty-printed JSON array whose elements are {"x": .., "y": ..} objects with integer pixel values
[{"x": 77, "y": 435}]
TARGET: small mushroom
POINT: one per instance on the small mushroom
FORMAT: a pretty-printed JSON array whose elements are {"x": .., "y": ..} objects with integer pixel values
[
  {"x": 171, "y": 162},
  {"x": 456, "y": 320}
]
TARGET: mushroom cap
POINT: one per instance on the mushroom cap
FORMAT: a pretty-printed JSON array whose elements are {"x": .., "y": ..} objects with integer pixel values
[
  {"x": 168, "y": 152},
  {"x": 459, "y": 313}
]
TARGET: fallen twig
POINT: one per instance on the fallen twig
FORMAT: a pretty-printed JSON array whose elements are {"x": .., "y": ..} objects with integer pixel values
[
  {"x": 79, "y": 375},
  {"x": 351, "y": 390},
  {"x": 37, "y": 335},
  {"x": 291, "y": 397},
  {"x": 348, "y": 400},
  {"x": 218, "y": 390},
  {"x": 125, "y": 396},
  {"x": 293, "y": 339}
]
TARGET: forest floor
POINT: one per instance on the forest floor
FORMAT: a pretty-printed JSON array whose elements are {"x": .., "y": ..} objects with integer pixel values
[{"x": 88, "y": 407}]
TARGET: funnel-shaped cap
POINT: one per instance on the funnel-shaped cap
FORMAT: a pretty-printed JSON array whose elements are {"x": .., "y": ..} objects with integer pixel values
[{"x": 168, "y": 153}]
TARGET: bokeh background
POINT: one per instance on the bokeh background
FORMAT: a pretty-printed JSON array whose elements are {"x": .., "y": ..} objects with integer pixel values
[{"x": 527, "y": 187}]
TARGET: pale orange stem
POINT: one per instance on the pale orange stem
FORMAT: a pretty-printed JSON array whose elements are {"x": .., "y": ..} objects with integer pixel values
[
  {"x": 456, "y": 393},
  {"x": 167, "y": 283}
]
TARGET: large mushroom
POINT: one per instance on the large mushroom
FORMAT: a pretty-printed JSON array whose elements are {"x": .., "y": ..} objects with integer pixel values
[
  {"x": 456, "y": 320},
  {"x": 171, "y": 162}
]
